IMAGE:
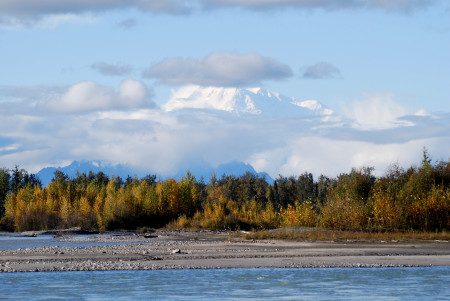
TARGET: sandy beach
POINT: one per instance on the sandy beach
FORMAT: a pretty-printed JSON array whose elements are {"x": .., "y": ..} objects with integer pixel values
[{"x": 217, "y": 250}]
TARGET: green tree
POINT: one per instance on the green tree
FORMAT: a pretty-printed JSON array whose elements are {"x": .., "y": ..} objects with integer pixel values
[
  {"x": 306, "y": 188},
  {"x": 4, "y": 189},
  {"x": 323, "y": 185},
  {"x": 356, "y": 185},
  {"x": 16, "y": 180}
]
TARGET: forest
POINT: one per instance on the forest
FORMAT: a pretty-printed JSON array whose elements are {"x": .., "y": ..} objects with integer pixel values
[{"x": 416, "y": 198}]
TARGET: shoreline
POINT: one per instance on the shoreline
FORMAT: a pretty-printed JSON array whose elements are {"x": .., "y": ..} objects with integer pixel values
[{"x": 219, "y": 250}]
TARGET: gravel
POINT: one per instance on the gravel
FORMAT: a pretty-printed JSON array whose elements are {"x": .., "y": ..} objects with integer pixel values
[{"x": 210, "y": 249}]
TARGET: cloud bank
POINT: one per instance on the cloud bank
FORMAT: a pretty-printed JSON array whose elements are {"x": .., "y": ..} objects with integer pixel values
[
  {"x": 43, "y": 7},
  {"x": 219, "y": 69},
  {"x": 28, "y": 7},
  {"x": 28, "y": 12},
  {"x": 89, "y": 121}
]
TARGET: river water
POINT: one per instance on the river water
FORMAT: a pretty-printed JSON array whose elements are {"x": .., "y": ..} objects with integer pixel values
[{"x": 430, "y": 283}]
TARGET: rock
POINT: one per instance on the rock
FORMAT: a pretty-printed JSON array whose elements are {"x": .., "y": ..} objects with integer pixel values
[{"x": 150, "y": 235}]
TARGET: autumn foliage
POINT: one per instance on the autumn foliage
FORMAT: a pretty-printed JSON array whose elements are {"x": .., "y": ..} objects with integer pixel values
[{"x": 414, "y": 199}]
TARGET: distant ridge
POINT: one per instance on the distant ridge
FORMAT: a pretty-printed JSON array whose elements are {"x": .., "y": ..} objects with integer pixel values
[
  {"x": 236, "y": 168},
  {"x": 46, "y": 174},
  {"x": 233, "y": 168}
]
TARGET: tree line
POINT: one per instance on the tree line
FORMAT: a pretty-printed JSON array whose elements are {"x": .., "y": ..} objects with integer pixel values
[{"x": 417, "y": 198}]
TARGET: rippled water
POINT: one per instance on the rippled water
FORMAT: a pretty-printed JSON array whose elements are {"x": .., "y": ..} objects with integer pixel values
[{"x": 232, "y": 284}]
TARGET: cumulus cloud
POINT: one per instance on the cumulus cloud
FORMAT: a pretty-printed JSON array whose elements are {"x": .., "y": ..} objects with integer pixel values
[
  {"x": 329, "y": 156},
  {"x": 377, "y": 111},
  {"x": 90, "y": 96},
  {"x": 321, "y": 70},
  {"x": 112, "y": 69},
  {"x": 219, "y": 69}
]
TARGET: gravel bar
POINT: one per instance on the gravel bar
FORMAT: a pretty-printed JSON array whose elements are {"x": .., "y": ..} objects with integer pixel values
[{"x": 217, "y": 250}]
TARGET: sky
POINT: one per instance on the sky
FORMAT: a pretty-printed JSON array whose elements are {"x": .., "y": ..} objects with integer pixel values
[{"x": 90, "y": 80}]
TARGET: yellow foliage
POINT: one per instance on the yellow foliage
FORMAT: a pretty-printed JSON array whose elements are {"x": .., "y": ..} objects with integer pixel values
[
  {"x": 432, "y": 212},
  {"x": 302, "y": 214},
  {"x": 343, "y": 213},
  {"x": 387, "y": 213}
]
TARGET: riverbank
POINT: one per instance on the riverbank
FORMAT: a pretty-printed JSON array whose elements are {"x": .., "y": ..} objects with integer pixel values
[{"x": 217, "y": 250}]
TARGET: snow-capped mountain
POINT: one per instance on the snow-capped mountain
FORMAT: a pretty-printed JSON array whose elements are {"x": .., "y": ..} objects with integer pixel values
[
  {"x": 238, "y": 102},
  {"x": 256, "y": 101}
]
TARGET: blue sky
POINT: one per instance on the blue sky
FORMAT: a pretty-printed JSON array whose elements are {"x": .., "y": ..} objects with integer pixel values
[{"x": 87, "y": 80}]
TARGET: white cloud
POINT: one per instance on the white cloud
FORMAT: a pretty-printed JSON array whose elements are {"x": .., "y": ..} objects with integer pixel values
[
  {"x": 377, "y": 111},
  {"x": 120, "y": 129},
  {"x": 90, "y": 96},
  {"x": 132, "y": 93},
  {"x": 219, "y": 69},
  {"x": 328, "y": 156}
]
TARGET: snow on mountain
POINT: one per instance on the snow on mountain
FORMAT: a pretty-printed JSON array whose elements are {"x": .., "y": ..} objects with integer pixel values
[
  {"x": 238, "y": 101},
  {"x": 255, "y": 101},
  {"x": 315, "y": 106}
]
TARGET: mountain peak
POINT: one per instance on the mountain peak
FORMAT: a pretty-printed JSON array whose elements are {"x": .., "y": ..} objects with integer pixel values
[
  {"x": 315, "y": 106},
  {"x": 253, "y": 101}
]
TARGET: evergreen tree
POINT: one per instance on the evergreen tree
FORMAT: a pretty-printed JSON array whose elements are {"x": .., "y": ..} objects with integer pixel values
[
  {"x": 4, "y": 188},
  {"x": 306, "y": 188},
  {"x": 16, "y": 181},
  {"x": 150, "y": 179}
]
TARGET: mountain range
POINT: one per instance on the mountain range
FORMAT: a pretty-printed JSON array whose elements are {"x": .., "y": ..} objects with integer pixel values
[
  {"x": 256, "y": 101},
  {"x": 204, "y": 172},
  {"x": 240, "y": 102}
]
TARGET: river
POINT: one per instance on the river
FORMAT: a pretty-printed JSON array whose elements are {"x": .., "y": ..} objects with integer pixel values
[{"x": 429, "y": 283}]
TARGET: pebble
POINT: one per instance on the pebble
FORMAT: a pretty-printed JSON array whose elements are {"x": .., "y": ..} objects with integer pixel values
[{"x": 134, "y": 259}]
